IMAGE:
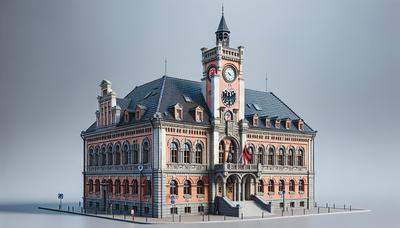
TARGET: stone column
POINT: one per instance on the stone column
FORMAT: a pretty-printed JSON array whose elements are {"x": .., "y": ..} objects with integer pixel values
[{"x": 223, "y": 187}]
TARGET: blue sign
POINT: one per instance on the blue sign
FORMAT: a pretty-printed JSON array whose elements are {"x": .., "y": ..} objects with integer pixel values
[
  {"x": 172, "y": 198},
  {"x": 60, "y": 195}
]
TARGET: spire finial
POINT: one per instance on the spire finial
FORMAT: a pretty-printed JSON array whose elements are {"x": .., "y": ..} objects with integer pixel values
[{"x": 222, "y": 9}]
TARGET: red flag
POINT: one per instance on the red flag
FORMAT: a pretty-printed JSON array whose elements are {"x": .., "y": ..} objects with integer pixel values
[{"x": 246, "y": 155}]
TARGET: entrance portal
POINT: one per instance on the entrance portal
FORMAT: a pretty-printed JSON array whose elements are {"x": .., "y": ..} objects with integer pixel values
[{"x": 249, "y": 183}]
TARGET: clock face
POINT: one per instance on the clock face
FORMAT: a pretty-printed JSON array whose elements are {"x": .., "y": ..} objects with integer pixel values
[
  {"x": 229, "y": 74},
  {"x": 228, "y": 97},
  {"x": 212, "y": 71}
]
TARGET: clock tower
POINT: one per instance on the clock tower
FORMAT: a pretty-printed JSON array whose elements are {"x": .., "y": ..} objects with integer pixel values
[{"x": 222, "y": 82}]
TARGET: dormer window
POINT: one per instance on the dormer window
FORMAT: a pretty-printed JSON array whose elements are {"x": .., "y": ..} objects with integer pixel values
[
  {"x": 178, "y": 111},
  {"x": 267, "y": 122},
  {"x": 287, "y": 123},
  {"x": 255, "y": 120},
  {"x": 199, "y": 114},
  {"x": 139, "y": 111},
  {"x": 277, "y": 123},
  {"x": 300, "y": 125},
  {"x": 104, "y": 92},
  {"x": 137, "y": 115},
  {"x": 126, "y": 117},
  {"x": 178, "y": 114}
]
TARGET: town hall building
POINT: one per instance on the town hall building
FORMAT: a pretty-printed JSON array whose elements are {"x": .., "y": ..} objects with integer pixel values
[{"x": 175, "y": 146}]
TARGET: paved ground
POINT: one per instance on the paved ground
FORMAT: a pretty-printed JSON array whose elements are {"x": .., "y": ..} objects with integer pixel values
[{"x": 218, "y": 218}]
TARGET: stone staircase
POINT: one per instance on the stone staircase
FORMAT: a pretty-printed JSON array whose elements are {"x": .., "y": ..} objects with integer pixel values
[{"x": 250, "y": 208}]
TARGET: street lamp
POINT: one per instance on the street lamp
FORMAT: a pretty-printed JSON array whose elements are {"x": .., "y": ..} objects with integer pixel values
[{"x": 283, "y": 197}]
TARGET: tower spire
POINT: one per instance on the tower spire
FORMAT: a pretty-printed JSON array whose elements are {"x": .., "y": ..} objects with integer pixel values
[{"x": 222, "y": 33}]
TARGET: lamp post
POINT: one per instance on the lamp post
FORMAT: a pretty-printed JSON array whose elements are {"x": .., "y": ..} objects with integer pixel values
[
  {"x": 140, "y": 168},
  {"x": 283, "y": 199}
]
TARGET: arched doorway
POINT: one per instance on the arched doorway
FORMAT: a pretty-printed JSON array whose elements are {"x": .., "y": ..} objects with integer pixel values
[{"x": 249, "y": 186}]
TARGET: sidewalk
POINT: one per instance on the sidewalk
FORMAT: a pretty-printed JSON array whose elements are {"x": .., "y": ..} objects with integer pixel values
[{"x": 277, "y": 214}]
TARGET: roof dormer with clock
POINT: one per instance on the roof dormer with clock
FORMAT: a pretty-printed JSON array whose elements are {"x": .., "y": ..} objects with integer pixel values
[{"x": 222, "y": 82}]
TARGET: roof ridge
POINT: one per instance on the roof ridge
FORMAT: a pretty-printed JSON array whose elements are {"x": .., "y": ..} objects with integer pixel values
[
  {"x": 128, "y": 95},
  {"x": 181, "y": 79},
  {"x": 285, "y": 105},
  {"x": 161, "y": 93}
]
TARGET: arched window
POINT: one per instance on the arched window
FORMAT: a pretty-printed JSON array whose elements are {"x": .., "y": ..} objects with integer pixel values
[
  {"x": 260, "y": 158},
  {"x": 186, "y": 153},
  {"x": 103, "y": 156},
  {"x": 200, "y": 187},
  {"x": 232, "y": 150},
  {"x": 147, "y": 188},
  {"x": 271, "y": 155},
  {"x": 281, "y": 185},
  {"x": 281, "y": 156},
  {"x": 110, "y": 186},
  {"x": 271, "y": 186},
  {"x": 97, "y": 186},
  {"x": 291, "y": 186},
  {"x": 96, "y": 157},
  {"x": 250, "y": 149},
  {"x": 300, "y": 157},
  {"x": 260, "y": 186},
  {"x": 91, "y": 157},
  {"x": 221, "y": 152},
  {"x": 135, "y": 187},
  {"x": 90, "y": 185},
  {"x": 187, "y": 188},
  {"x": 135, "y": 157},
  {"x": 173, "y": 187},
  {"x": 117, "y": 154},
  {"x": 117, "y": 187},
  {"x": 290, "y": 157},
  {"x": 174, "y": 152},
  {"x": 125, "y": 156},
  {"x": 301, "y": 186},
  {"x": 145, "y": 156},
  {"x": 110, "y": 155},
  {"x": 126, "y": 187},
  {"x": 199, "y": 154}
]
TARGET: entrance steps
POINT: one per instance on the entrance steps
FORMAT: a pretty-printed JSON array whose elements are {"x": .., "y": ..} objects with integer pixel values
[{"x": 250, "y": 208}]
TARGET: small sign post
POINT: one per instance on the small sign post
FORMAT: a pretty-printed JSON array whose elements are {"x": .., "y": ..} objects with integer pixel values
[
  {"x": 60, "y": 197},
  {"x": 172, "y": 199}
]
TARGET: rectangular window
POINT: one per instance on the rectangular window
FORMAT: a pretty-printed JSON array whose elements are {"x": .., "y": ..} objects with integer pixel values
[
  {"x": 280, "y": 205},
  {"x": 186, "y": 157},
  {"x": 188, "y": 210},
  {"x": 301, "y": 203},
  {"x": 291, "y": 204},
  {"x": 146, "y": 210}
]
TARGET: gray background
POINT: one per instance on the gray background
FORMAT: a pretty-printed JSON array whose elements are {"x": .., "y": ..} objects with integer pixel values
[{"x": 336, "y": 63}]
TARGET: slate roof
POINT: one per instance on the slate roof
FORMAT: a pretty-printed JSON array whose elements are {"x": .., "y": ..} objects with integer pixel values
[
  {"x": 271, "y": 106},
  {"x": 160, "y": 95},
  {"x": 222, "y": 27}
]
